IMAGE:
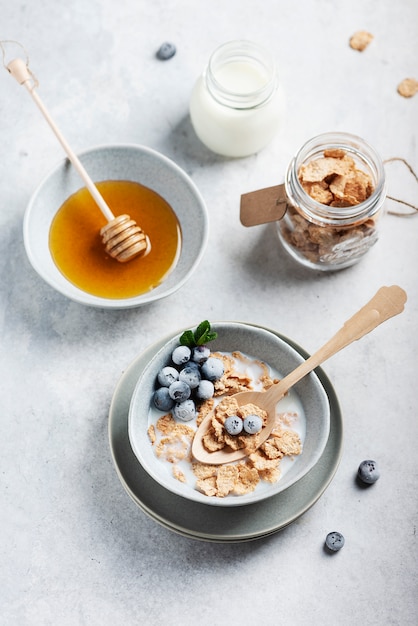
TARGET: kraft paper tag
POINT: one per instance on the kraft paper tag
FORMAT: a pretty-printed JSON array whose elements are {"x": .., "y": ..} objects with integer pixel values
[{"x": 263, "y": 206}]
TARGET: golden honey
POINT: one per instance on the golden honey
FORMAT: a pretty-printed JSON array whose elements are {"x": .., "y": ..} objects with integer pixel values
[{"x": 78, "y": 252}]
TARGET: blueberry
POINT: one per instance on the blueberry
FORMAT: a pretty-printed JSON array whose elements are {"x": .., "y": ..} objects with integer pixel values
[
  {"x": 167, "y": 375},
  {"x": 368, "y": 472},
  {"x": 190, "y": 375},
  {"x": 334, "y": 541},
  {"x": 181, "y": 355},
  {"x": 212, "y": 369},
  {"x": 253, "y": 424},
  {"x": 205, "y": 390},
  {"x": 184, "y": 411},
  {"x": 163, "y": 400},
  {"x": 193, "y": 365},
  {"x": 166, "y": 51},
  {"x": 233, "y": 425},
  {"x": 179, "y": 391},
  {"x": 200, "y": 354}
]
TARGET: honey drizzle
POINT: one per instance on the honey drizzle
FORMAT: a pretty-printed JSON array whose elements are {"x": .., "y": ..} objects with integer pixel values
[{"x": 78, "y": 252}]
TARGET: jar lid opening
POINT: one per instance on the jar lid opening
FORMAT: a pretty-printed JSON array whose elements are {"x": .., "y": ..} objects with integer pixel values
[
  {"x": 241, "y": 75},
  {"x": 366, "y": 160}
]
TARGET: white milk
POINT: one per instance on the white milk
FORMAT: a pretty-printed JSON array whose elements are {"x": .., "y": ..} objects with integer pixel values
[
  {"x": 242, "y": 77},
  {"x": 236, "y": 106}
]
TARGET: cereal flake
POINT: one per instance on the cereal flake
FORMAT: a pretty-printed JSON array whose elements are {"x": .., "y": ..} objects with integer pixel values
[
  {"x": 178, "y": 474},
  {"x": 288, "y": 442},
  {"x": 408, "y": 87},
  {"x": 248, "y": 479},
  {"x": 226, "y": 479},
  {"x": 360, "y": 40},
  {"x": 207, "y": 486},
  {"x": 166, "y": 423},
  {"x": 151, "y": 434}
]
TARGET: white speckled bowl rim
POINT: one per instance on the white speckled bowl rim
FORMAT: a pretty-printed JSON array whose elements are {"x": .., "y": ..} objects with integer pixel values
[
  {"x": 212, "y": 524},
  {"x": 117, "y": 162},
  {"x": 267, "y": 347}
]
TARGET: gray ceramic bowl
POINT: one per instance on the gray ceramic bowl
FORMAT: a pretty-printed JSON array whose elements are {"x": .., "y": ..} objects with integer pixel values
[
  {"x": 123, "y": 162},
  {"x": 308, "y": 398}
]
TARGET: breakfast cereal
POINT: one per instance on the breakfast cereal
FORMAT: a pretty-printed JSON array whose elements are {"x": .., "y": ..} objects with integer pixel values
[
  {"x": 287, "y": 442},
  {"x": 151, "y": 434},
  {"x": 178, "y": 474},
  {"x": 333, "y": 180},
  {"x": 360, "y": 40},
  {"x": 172, "y": 440},
  {"x": 174, "y": 446},
  {"x": 408, "y": 87},
  {"x": 226, "y": 478},
  {"x": 232, "y": 381},
  {"x": 218, "y": 438}
]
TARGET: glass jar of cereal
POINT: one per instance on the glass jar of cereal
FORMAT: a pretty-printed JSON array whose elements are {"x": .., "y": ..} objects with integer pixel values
[{"x": 335, "y": 190}]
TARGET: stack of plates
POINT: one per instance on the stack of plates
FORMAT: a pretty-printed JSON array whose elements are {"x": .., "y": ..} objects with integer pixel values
[{"x": 212, "y": 523}]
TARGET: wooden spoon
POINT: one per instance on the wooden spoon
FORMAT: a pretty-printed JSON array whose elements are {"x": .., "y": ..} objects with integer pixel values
[
  {"x": 122, "y": 237},
  {"x": 387, "y": 302}
]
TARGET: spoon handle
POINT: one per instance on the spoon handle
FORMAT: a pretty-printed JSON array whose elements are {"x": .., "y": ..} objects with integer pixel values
[
  {"x": 387, "y": 302},
  {"x": 20, "y": 72}
]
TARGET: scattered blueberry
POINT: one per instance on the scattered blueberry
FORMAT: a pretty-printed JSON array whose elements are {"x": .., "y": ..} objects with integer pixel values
[
  {"x": 233, "y": 425},
  {"x": 166, "y": 51},
  {"x": 167, "y": 375},
  {"x": 212, "y": 369},
  {"x": 184, "y": 411},
  {"x": 368, "y": 472},
  {"x": 181, "y": 355},
  {"x": 179, "y": 391},
  {"x": 205, "y": 390},
  {"x": 163, "y": 400},
  {"x": 200, "y": 354},
  {"x": 253, "y": 424},
  {"x": 190, "y": 375},
  {"x": 334, "y": 541}
]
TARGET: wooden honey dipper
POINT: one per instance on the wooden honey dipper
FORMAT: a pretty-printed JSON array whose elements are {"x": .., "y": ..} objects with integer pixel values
[{"x": 122, "y": 237}]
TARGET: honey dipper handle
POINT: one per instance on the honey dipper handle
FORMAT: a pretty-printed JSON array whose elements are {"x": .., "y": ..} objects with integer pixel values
[
  {"x": 387, "y": 302},
  {"x": 18, "y": 69}
]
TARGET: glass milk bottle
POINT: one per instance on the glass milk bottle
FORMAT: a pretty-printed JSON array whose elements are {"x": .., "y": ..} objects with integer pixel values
[{"x": 237, "y": 106}]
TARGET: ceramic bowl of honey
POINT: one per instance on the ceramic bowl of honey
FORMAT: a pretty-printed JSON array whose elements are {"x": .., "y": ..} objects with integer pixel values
[{"x": 62, "y": 226}]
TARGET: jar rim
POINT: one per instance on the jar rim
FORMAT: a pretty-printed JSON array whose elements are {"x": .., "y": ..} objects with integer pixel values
[
  {"x": 316, "y": 211},
  {"x": 238, "y": 51}
]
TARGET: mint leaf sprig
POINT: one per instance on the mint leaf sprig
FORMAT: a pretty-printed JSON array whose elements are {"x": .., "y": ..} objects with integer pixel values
[{"x": 199, "y": 337}]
